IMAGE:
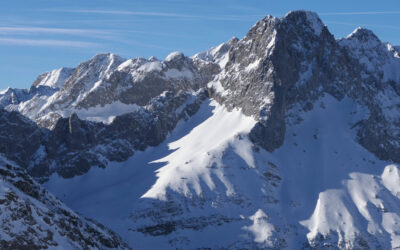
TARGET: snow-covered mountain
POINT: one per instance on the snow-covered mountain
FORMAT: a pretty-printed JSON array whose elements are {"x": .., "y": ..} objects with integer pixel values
[
  {"x": 107, "y": 86},
  {"x": 286, "y": 138}
]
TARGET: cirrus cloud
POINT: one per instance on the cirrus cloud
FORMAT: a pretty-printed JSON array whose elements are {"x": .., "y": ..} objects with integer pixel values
[{"x": 47, "y": 42}]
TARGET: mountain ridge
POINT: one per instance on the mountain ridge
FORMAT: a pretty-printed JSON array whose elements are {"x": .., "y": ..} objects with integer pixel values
[{"x": 233, "y": 128}]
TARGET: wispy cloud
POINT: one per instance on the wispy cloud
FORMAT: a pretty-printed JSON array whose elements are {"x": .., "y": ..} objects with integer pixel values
[
  {"x": 48, "y": 43},
  {"x": 123, "y": 12},
  {"x": 54, "y": 31},
  {"x": 49, "y": 30},
  {"x": 359, "y": 13},
  {"x": 159, "y": 14},
  {"x": 245, "y": 17}
]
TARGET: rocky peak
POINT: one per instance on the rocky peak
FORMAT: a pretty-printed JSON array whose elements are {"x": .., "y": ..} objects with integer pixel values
[
  {"x": 377, "y": 58},
  {"x": 8, "y": 90},
  {"x": 176, "y": 60},
  {"x": 153, "y": 59},
  {"x": 266, "y": 65},
  {"x": 175, "y": 56},
  {"x": 361, "y": 40},
  {"x": 86, "y": 77},
  {"x": 100, "y": 65},
  {"x": 5, "y": 90},
  {"x": 12, "y": 96},
  {"x": 364, "y": 35},
  {"x": 54, "y": 79},
  {"x": 105, "y": 58},
  {"x": 217, "y": 54},
  {"x": 294, "y": 21},
  {"x": 97, "y": 67},
  {"x": 305, "y": 19}
]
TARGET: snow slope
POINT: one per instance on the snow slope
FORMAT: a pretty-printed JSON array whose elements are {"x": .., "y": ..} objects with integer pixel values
[
  {"x": 195, "y": 150},
  {"x": 105, "y": 114},
  {"x": 375, "y": 201},
  {"x": 207, "y": 185}
]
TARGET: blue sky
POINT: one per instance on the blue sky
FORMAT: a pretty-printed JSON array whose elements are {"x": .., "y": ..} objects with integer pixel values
[{"x": 41, "y": 35}]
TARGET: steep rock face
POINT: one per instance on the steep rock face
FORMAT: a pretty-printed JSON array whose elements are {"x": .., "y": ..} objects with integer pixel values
[
  {"x": 33, "y": 218},
  {"x": 284, "y": 65},
  {"x": 20, "y": 137},
  {"x": 278, "y": 63}
]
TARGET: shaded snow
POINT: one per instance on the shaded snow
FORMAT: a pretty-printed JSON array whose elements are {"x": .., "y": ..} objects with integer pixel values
[
  {"x": 104, "y": 114},
  {"x": 174, "y": 73},
  {"x": 151, "y": 66}
]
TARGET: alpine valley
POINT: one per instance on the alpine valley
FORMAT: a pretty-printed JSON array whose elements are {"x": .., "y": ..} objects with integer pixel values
[{"x": 285, "y": 139}]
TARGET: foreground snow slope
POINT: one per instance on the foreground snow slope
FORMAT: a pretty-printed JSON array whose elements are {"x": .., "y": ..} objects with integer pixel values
[{"x": 207, "y": 185}]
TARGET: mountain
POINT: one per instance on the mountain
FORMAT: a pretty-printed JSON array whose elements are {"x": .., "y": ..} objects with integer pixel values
[
  {"x": 286, "y": 138},
  {"x": 33, "y": 218},
  {"x": 107, "y": 85},
  {"x": 84, "y": 123}
]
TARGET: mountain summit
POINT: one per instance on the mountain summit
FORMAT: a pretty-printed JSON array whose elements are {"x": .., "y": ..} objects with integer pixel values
[{"x": 287, "y": 138}]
